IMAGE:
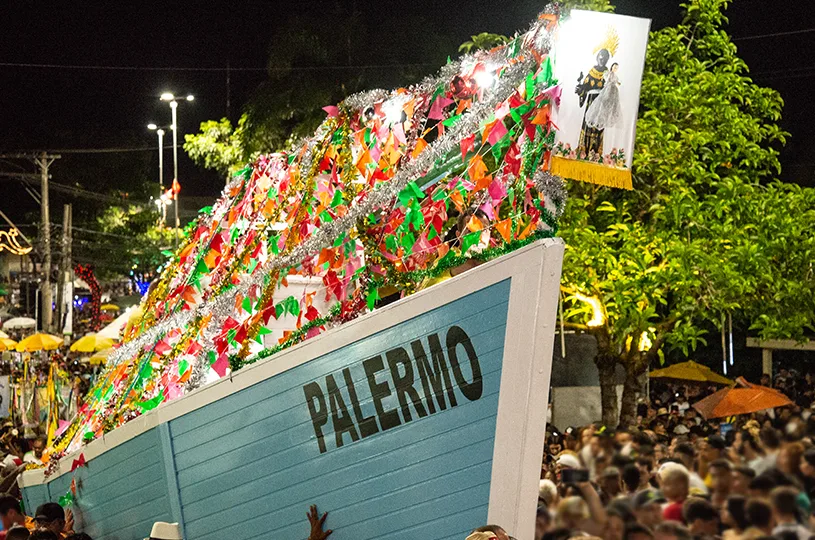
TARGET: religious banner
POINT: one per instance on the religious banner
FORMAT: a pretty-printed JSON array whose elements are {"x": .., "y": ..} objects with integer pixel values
[{"x": 599, "y": 59}]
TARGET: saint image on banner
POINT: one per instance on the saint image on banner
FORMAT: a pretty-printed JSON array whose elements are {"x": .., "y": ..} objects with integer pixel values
[
  {"x": 589, "y": 88},
  {"x": 599, "y": 58}
]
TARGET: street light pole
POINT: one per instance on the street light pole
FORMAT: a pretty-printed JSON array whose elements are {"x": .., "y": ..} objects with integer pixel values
[
  {"x": 161, "y": 172},
  {"x": 174, "y": 108},
  {"x": 167, "y": 96},
  {"x": 160, "y": 133}
]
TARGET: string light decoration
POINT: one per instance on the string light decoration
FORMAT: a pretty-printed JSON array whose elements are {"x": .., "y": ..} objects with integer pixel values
[
  {"x": 86, "y": 274},
  {"x": 393, "y": 191},
  {"x": 9, "y": 242}
]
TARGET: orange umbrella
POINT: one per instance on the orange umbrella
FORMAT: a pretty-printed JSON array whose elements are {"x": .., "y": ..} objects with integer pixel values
[{"x": 743, "y": 399}]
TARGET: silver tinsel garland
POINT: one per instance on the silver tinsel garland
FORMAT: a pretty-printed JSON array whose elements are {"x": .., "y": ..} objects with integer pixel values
[{"x": 384, "y": 193}]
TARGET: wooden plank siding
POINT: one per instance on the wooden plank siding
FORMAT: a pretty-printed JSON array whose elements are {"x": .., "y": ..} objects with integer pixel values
[{"x": 350, "y": 422}]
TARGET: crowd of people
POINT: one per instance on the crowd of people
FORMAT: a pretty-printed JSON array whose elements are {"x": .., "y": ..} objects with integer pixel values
[{"x": 676, "y": 475}]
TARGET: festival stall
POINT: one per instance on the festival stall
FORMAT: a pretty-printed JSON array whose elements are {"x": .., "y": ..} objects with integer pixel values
[{"x": 364, "y": 321}]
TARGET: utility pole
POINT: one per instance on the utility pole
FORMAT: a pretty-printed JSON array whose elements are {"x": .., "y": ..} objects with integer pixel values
[
  {"x": 44, "y": 160},
  {"x": 64, "y": 293},
  {"x": 68, "y": 273}
]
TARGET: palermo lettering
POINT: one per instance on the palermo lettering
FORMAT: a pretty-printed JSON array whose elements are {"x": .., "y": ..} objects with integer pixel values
[{"x": 395, "y": 388}]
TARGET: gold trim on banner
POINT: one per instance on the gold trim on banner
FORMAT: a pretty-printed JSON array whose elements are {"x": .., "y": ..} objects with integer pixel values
[{"x": 594, "y": 173}]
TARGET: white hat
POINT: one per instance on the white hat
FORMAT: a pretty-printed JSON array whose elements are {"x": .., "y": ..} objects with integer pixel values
[
  {"x": 568, "y": 460},
  {"x": 166, "y": 531}
]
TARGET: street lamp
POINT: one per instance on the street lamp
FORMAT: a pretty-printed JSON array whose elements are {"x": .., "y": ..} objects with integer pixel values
[
  {"x": 160, "y": 132},
  {"x": 168, "y": 96}
]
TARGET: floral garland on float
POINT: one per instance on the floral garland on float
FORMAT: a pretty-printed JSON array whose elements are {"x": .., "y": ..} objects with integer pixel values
[{"x": 392, "y": 191}]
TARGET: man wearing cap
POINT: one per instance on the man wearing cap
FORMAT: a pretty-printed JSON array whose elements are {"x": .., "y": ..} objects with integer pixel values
[
  {"x": 609, "y": 482},
  {"x": 648, "y": 507},
  {"x": 51, "y": 516}
]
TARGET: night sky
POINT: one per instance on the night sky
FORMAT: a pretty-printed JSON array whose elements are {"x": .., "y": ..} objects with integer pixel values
[{"x": 55, "y": 108}]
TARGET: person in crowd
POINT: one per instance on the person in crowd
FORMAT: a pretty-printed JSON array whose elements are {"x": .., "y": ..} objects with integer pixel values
[
  {"x": 620, "y": 516},
  {"x": 610, "y": 484},
  {"x": 571, "y": 513},
  {"x": 52, "y": 516},
  {"x": 701, "y": 517},
  {"x": 808, "y": 472},
  {"x": 721, "y": 480},
  {"x": 713, "y": 448},
  {"x": 496, "y": 530},
  {"x": 675, "y": 484},
  {"x": 11, "y": 513},
  {"x": 770, "y": 445},
  {"x": 547, "y": 494},
  {"x": 734, "y": 518},
  {"x": 747, "y": 450},
  {"x": 482, "y": 536},
  {"x": 786, "y": 513},
  {"x": 647, "y": 506},
  {"x": 35, "y": 454},
  {"x": 18, "y": 532},
  {"x": 79, "y": 536},
  {"x": 543, "y": 522},
  {"x": 631, "y": 479},
  {"x": 43, "y": 534},
  {"x": 645, "y": 464},
  {"x": 789, "y": 459},
  {"x": 635, "y": 531},
  {"x": 759, "y": 516},
  {"x": 671, "y": 530},
  {"x": 740, "y": 484},
  {"x": 686, "y": 454},
  {"x": 315, "y": 520}
]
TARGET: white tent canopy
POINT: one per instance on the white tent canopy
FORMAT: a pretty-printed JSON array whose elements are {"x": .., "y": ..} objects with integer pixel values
[
  {"x": 113, "y": 330},
  {"x": 19, "y": 322}
]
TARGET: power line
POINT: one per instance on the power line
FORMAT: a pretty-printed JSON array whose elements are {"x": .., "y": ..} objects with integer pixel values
[
  {"x": 204, "y": 69},
  {"x": 776, "y": 34}
]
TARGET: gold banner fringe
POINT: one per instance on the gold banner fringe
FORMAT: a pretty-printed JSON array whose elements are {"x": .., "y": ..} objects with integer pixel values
[{"x": 593, "y": 173}]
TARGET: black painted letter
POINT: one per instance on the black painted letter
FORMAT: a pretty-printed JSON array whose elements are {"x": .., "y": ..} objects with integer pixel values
[
  {"x": 379, "y": 391},
  {"x": 367, "y": 425},
  {"x": 319, "y": 415},
  {"x": 340, "y": 416},
  {"x": 472, "y": 390},
  {"x": 403, "y": 383}
]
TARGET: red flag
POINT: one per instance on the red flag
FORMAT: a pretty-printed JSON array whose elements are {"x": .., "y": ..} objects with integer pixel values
[
  {"x": 176, "y": 187},
  {"x": 80, "y": 462}
]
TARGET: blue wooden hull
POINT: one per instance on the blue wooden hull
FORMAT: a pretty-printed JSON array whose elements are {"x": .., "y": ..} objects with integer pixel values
[{"x": 397, "y": 424}]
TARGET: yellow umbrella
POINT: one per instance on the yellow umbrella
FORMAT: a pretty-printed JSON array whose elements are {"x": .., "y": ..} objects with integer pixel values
[
  {"x": 3, "y": 334},
  {"x": 109, "y": 307},
  {"x": 690, "y": 371},
  {"x": 39, "y": 342},
  {"x": 101, "y": 357},
  {"x": 7, "y": 344},
  {"x": 91, "y": 343}
]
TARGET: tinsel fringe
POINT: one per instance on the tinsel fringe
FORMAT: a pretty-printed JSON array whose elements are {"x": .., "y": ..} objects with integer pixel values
[{"x": 593, "y": 173}]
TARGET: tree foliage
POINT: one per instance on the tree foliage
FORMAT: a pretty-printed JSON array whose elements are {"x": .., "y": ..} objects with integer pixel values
[
  {"x": 218, "y": 145},
  {"x": 129, "y": 242},
  {"x": 706, "y": 231},
  {"x": 484, "y": 40}
]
